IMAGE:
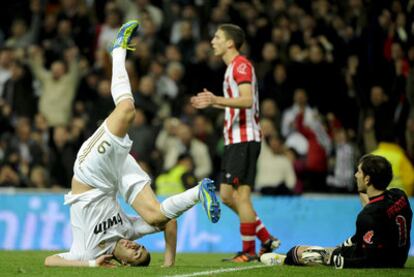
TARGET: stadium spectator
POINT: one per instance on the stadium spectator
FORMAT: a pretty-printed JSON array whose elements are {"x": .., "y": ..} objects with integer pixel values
[
  {"x": 241, "y": 136},
  {"x": 6, "y": 61},
  {"x": 143, "y": 136},
  {"x": 382, "y": 237},
  {"x": 186, "y": 143},
  {"x": 59, "y": 86},
  {"x": 177, "y": 179},
  {"x": 275, "y": 173}
]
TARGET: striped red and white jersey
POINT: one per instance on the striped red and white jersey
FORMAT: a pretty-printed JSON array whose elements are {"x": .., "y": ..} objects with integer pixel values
[{"x": 241, "y": 125}]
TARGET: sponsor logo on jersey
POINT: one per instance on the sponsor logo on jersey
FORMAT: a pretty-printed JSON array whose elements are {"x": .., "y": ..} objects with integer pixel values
[
  {"x": 368, "y": 237},
  {"x": 242, "y": 69},
  {"x": 108, "y": 223}
]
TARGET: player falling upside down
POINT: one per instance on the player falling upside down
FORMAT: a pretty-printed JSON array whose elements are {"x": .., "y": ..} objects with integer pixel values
[
  {"x": 103, "y": 169},
  {"x": 242, "y": 138},
  {"x": 382, "y": 237}
]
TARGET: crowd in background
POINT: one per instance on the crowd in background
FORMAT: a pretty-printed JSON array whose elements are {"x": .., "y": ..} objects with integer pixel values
[{"x": 336, "y": 80}]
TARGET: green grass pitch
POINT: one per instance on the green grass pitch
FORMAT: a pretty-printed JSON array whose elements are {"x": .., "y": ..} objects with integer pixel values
[{"x": 30, "y": 263}]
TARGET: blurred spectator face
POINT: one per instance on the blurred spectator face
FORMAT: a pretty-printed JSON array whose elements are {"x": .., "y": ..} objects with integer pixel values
[
  {"x": 278, "y": 6},
  {"x": 6, "y": 57},
  {"x": 143, "y": 50},
  {"x": 411, "y": 54},
  {"x": 50, "y": 22},
  {"x": 156, "y": 68},
  {"x": 384, "y": 19},
  {"x": 202, "y": 50},
  {"x": 18, "y": 28},
  {"x": 188, "y": 12},
  {"x": 64, "y": 28},
  {"x": 268, "y": 128},
  {"x": 279, "y": 73},
  {"x": 276, "y": 145},
  {"x": 40, "y": 122},
  {"x": 147, "y": 86},
  {"x": 396, "y": 51},
  {"x": 175, "y": 71},
  {"x": 400, "y": 21},
  {"x": 185, "y": 134},
  {"x": 300, "y": 98},
  {"x": 38, "y": 177},
  {"x": 340, "y": 136},
  {"x": 269, "y": 52},
  {"x": 173, "y": 54},
  {"x": 186, "y": 30},
  {"x": 113, "y": 18},
  {"x": 377, "y": 96},
  {"x": 60, "y": 136},
  {"x": 104, "y": 88},
  {"x": 8, "y": 177},
  {"x": 139, "y": 119},
  {"x": 69, "y": 4},
  {"x": 295, "y": 53},
  {"x": 201, "y": 126},
  {"x": 148, "y": 28},
  {"x": 269, "y": 108},
  {"x": 218, "y": 15},
  {"x": 17, "y": 71},
  {"x": 141, "y": 3},
  {"x": 23, "y": 129},
  {"x": 315, "y": 54},
  {"x": 355, "y": 4},
  {"x": 58, "y": 69}
]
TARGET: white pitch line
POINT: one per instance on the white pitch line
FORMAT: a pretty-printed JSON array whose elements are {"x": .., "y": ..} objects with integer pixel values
[{"x": 223, "y": 270}]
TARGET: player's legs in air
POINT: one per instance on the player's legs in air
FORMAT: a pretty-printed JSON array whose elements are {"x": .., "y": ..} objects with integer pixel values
[{"x": 145, "y": 202}]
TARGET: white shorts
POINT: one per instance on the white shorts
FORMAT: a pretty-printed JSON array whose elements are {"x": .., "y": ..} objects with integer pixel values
[{"x": 104, "y": 162}]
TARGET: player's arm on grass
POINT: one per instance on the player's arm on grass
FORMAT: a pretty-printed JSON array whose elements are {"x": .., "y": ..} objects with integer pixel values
[
  {"x": 101, "y": 261},
  {"x": 207, "y": 99},
  {"x": 170, "y": 236}
]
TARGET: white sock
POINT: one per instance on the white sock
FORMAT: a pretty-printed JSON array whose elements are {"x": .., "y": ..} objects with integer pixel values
[
  {"x": 175, "y": 205},
  {"x": 120, "y": 86}
]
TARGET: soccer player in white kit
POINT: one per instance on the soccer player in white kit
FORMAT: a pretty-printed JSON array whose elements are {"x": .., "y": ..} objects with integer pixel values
[{"x": 103, "y": 169}]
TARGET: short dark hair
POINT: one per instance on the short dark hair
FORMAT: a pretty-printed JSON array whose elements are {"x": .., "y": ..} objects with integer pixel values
[
  {"x": 235, "y": 33},
  {"x": 378, "y": 169},
  {"x": 145, "y": 262}
]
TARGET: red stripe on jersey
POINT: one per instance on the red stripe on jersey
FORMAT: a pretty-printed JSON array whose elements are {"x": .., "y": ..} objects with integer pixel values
[
  {"x": 376, "y": 199},
  {"x": 243, "y": 126}
]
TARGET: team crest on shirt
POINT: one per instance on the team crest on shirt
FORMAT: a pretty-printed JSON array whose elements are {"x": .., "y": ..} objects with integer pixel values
[
  {"x": 368, "y": 237},
  {"x": 242, "y": 69}
]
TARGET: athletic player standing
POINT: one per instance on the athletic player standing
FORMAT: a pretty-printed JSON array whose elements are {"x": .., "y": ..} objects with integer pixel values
[{"x": 242, "y": 138}]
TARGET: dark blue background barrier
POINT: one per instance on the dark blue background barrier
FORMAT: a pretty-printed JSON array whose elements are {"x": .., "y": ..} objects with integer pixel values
[{"x": 41, "y": 221}]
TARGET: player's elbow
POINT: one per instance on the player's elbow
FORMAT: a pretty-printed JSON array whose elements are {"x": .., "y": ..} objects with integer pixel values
[{"x": 49, "y": 261}]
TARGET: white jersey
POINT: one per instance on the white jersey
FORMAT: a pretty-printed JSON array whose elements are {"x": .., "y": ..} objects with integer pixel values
[
  {"x": 104, "y": 162},
  {"x": 98, "y": 222}
]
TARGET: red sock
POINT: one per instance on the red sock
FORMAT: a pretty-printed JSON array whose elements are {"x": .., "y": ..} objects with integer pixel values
[
  {"x": 261, "y": 231},
  {"x": 248, "y": 232}
]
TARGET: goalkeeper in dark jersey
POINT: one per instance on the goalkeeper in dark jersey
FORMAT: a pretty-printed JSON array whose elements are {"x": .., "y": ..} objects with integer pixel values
[{"x": 382, "y": 237}]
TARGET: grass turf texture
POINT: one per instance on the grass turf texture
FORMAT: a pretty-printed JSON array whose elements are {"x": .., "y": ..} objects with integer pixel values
[{"x": 30, "y": 263}]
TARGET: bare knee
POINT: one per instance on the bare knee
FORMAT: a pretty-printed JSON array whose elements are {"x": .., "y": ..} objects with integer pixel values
[
  {"x": 126, "y": 109},
  {"x": 227, "y": 199}
]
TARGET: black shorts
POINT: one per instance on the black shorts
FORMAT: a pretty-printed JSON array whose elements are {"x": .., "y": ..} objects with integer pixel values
[{"x": 238, "y": 166}]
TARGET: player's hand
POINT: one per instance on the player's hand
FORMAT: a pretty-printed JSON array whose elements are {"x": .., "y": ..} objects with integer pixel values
[
  {"x": 168, "y": 264},
  {"x": 203, "y": 99},
  {"x": 105, "y": 261}
]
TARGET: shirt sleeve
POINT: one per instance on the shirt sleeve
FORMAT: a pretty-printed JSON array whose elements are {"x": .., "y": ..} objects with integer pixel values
[
  {"x": 242, "y": 72},
  {"x": 68, "y": 256},
  {"x": 369, "y": 238}
]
